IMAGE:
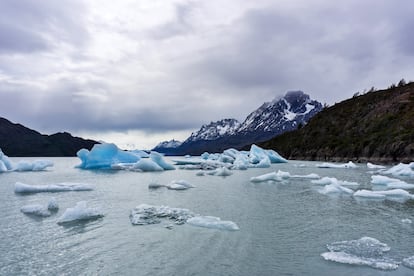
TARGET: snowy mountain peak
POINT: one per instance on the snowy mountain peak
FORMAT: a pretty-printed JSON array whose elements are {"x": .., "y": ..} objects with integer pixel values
[{"x": 215, "y": 130}]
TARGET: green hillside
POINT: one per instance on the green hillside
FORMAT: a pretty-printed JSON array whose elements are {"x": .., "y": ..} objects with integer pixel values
[{"x": 377, "y": 126}]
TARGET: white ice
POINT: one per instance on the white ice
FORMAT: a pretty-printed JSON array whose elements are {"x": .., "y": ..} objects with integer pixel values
[
  {"x": 37, "y": 165},
  {"x": 146, "y": 165},
  {"x": 332, "y": 180},
  {"x": 374, "y": 167},
  {"x": 398, "y": 195},
  {"x": 335, "y": 189},
  {"x": 381, "y": 181},
  {"x": 402, "y": 170},
  {"x": 5, "y": 163},
  {"x": 272, "y": 176},
  {"x": 179, "y": 185},
  {"x": 60, "y": 187},
  {"x": 36, "y": 210},
  {"x": 349, "y": 165},
  {"x": 407, "y": 221},
  {"x": 80, "y": 212},
  {"x": 222, "y": 172},
  {"x": 409, "y": 262},
  {"x": 364, "y": 251},
  {"x": 159, "y": 160},
  {"x": 213, "y": 222}
]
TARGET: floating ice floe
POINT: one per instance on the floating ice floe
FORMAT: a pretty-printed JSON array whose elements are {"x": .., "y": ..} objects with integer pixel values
[
  {"x": 232, "y": 159},
  {"x": 109, "y": 156},
  {"x": 381, "y": 181},
  {"x": 223, "y": 171},
  {"x": 332, "y": 180},
  {"x": 349, "y": 165},
  {"x": 145, "y": 214},
  {"x": 335, "y": 189},
  {"x": 401, "y": 169},
  {"x": 155, "y": 185},
  {"x": 6, "y": 165},
  {"x": 179, "y": 185},
  {"x": 80, "y": 212},
  {"x": 398, "y": 195},
  {"x": 60, "y": 187},
  {"x": 213, "y": 222},
  {"x": 407, "y": 221},
  {"x": 41, "y": 210},
  {"x": 281, "y": 176},
  {"x": 365, "y": 251},
  {"x": 409, "y": 262},
  {"x": 374, "y": 167}
]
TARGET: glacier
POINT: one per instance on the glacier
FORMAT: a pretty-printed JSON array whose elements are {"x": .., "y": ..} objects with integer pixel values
[
  {"x": 80, "y": 212},
  {"x": 364, "y": 251},
  {"x": 60, "y": 187}
]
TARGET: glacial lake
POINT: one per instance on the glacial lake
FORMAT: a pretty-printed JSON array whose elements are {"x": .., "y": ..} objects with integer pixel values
[{"x": 284, "y": 226}]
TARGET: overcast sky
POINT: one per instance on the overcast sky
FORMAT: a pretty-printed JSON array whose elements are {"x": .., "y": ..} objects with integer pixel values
[{"x": 141, "y": 71}]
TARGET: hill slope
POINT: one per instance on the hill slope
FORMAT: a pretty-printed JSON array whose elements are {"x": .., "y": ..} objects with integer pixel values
[
  {"x": 18, "y": 140},
  {"x": 377, "y": 127}
]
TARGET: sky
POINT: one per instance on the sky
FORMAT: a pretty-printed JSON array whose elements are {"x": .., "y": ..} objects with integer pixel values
[{"x": 137, "y": 72}]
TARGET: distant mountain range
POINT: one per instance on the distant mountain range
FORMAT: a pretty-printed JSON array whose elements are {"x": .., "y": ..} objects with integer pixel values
[
  {"x": 377, "y": 126},
  {"x": 18, "y": 140},
  {"x": 271, "y": 119}
]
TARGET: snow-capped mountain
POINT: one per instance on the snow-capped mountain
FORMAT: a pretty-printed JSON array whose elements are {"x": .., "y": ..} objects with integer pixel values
[
  {"x": 269, "y": 120},
  {"x": 281, "y": 114},
  {"x": 215, "y": 130}
]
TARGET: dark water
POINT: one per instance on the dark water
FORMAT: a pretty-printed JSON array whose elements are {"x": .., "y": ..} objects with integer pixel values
[{"x": 284, "y": 227}]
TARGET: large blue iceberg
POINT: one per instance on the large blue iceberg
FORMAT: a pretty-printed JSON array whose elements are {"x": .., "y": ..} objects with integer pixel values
[{"x": 109, "y": 156}]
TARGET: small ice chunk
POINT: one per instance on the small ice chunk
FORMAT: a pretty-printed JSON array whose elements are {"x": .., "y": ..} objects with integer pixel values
[
  {"x": 182, "y": 183},
  {"x": 390, "y": 183},
  {"x": 398, "y": 195},
  {"x": 374, "y": 167},
  {"x": 200, "y": 173},
  {"x": 147, "y": 165},
  {"x": 349, "y": 165},
  {"x": 306, "y": 176},
  {"x": 37, "y": 165},
  {"x": 364, "y": 251},
  {"x": 145, "y": 214},
  {"x": 60, "y": 187},
  {"x": 401, "y": 170},
  {"x": 155, "y": 185},
  {"x": 213, "y": 222},
  {"x": 159, "y": 160},
  {"x": 335, "y": 189},
  {"x": 273, "y": 176},
  {"x": 52, "y": 205},
  {"x": 36, "y": 210},
  {"x": 332, "y": 180},
  {"x": 407, "y": 221},
  {"x": 2, "y": 167},
  {"x": 409, "y": 262},
  {"x": 80, "y": 212},
  {"x": 222, "y": 172}
]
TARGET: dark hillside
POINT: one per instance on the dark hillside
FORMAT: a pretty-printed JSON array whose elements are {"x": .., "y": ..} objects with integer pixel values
[{"x": 377, "y": 126}]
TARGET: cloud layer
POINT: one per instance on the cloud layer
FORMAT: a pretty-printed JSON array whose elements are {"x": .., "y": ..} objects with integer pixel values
[{"x": 170, "y": 66}]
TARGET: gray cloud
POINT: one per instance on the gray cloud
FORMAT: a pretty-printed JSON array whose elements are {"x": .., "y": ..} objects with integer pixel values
[{"x": 67, "y": 66}]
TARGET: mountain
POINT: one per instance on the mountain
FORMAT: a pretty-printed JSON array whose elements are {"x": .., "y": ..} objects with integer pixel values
[
  {"x": 167, "y": 147},
  {"x": 18, "y": 140},
  {"x": 271, "y": 119},
  {"x": 377, "y": 127}
]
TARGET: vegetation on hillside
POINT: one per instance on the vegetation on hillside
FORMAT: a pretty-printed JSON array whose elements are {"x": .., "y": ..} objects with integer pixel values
[{"x": 376, "y": 126}]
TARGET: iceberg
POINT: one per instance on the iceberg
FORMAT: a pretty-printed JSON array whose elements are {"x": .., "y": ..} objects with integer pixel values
[
  {"x": 221, "y": 172},
  {"x": 408, "y": 221},
  {"x": 374, "y": 167},
  {"x": 332, "y": 180},
  {"x": 36, "y": 210},
  {"x": 349, "y": 165},
  {"x": 390, "y": 183},
  {"x": 5, "y": 163},
  {"x": 102, "y": 156},
  {"x": 398, "y": 195},
  {"x": 37, "y": 165},
  {"x": 364, "y": 251},
  {"x": 145, "y": 214},
  {"x": 273, "y": 176},
  {"x": 80, "y": 212},
  {"x": 40, "y": 210},
  {"x": 60, "y": 187},
  {"x": 275, "y": 157},
  {"x": 401, "y": 170},
  {"x": 306, "y": 176},
  {"x": 335, "y": 189},
  {"x": 213, "y": 222},
  {"x": 146, "y": 165},
  {"x": 159, "y": 160},
  {"x": 409, "y": 262},
  {"x": 179, "y": 185}
]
